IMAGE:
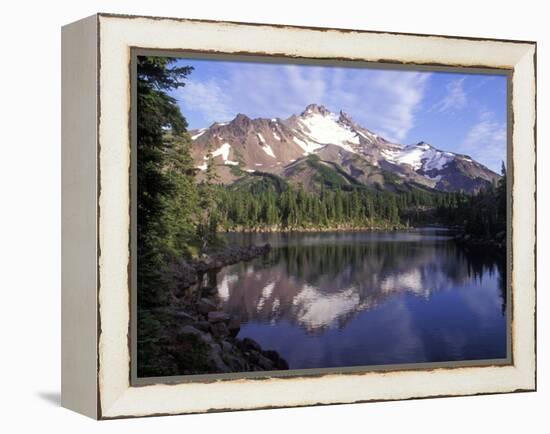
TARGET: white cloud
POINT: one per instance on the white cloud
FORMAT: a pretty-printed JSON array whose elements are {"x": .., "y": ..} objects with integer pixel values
[
  {"x": 455, "y": 99},
  {"x": 384, "y": 101},
  {"x": 395, "y": 111},
  {"x": 207, "y": 97},
  {"x": 486, "y": 141}
]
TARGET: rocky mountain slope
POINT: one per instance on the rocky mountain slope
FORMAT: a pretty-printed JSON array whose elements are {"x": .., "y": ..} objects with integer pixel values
[{"x": 318, "y": 143}]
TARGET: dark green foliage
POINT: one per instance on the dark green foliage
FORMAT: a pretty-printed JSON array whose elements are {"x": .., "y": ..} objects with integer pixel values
[
  {"x": 154, "y": 72},
  {"x": 329, "y": 174},
  {"x": 152, "y": 361},
  {"x": 484, "y": 214},
  {"x": 260, "y": 183},
  {"x": 262, "y": 201},
  {"x": 207, "y": 225},
  {"x": 237, "y": 171},
  {"x": 165, "y": 178}
]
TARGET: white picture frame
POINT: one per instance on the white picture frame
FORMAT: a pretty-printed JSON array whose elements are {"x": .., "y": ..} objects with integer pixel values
[{"x": 96, "y": 156}]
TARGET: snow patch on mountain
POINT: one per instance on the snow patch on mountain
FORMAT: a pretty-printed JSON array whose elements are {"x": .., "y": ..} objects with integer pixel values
[
  {"x": 368, "y": 135},
  {"x": 223, "y": 150},
  {"x": 410, "y": 156},
  {"x": 326, "y": 129},
  {"x": 419, "y": 156},
  {"x": 391, "y": 155},
  {"x": 200, "y": 133},
  {"x": 307, "y": 146},
  {"x": 438, "y": 161},
  {"x": 267, "y": 149}
]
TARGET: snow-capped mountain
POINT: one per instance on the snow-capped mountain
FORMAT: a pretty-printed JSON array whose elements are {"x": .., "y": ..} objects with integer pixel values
[{"x": 279, "y": 145}]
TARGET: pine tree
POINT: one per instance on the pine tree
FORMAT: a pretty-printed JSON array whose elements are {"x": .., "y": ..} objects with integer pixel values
[
  {"x": 178, "y": 216},
  {"x": 207, "y": 226},
  {"x": 158, "y": 234}
]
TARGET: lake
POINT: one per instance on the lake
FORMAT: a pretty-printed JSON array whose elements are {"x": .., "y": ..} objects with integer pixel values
[{"x": 342, "y": 299}]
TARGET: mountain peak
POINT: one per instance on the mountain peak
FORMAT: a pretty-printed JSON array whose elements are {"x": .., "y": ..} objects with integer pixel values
[
  {"x": 423, "y": 145},
  {"x": 241, "y": 117},
  {"x": 316, "y": 109},
  {"x": 241, "y": 122}
]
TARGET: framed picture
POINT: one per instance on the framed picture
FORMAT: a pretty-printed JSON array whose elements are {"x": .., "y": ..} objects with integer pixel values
[{"x": 261, "y": 216}]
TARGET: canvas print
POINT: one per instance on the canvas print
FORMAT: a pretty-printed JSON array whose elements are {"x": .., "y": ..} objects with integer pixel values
[{"x": 301, "y": 216}]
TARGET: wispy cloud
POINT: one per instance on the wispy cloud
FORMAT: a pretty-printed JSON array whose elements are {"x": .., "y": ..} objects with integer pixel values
[
  {"x": 398, "y": 98},
  {"x": 207, "y": 97},
  {"x": 455, "y": 98},
  {"x": 385, "y": 101},
  {"x": 486, "y": 141}
]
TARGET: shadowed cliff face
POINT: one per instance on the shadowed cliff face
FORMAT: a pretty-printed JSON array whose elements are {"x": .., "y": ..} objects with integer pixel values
[{"x": 317, "y": 285}]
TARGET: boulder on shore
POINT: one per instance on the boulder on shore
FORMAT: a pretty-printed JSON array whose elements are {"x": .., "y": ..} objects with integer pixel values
[
  {"x": 205, "y": 306},
  {"x": 218, "y": 316}
]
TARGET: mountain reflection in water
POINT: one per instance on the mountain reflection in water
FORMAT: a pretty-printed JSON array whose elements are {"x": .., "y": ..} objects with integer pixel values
[{"x": 364, "y": 298}]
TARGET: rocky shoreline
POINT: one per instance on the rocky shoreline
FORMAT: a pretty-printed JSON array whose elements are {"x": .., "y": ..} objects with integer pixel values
[
  {"x": 192, "y": 335},
  {"x": 187, "y": 273}
]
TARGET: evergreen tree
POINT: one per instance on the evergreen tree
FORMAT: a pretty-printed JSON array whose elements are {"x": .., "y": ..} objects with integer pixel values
[
  {"x": 159, "y": 169},
  {"x": 208, "y": 224},
  {"x": 178, "y": 217}
]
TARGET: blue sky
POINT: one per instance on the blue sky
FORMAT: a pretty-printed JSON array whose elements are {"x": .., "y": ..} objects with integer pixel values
[{"x": 464, "y": 113}]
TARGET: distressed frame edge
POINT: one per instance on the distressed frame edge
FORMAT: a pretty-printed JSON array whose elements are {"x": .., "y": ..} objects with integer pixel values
[
  {"x": 305, "y": 27},
  {"x": 528, "y": 387}
]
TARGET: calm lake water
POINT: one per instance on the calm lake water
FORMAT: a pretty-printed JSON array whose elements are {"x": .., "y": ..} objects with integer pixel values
[{"x": 341, "y": 299}]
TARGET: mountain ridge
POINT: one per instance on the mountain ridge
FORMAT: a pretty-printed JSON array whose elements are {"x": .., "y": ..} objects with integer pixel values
[{"x": 273, "y": 144}]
